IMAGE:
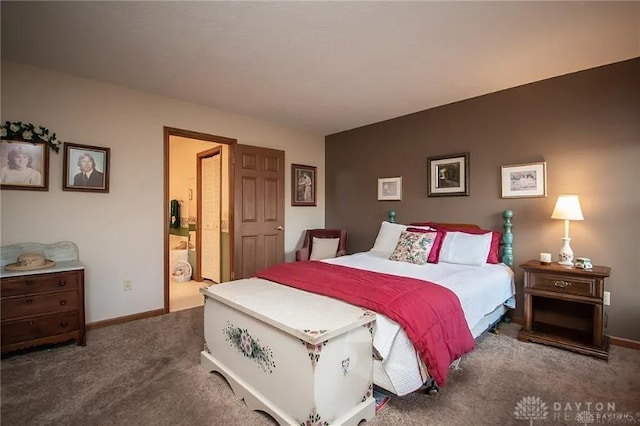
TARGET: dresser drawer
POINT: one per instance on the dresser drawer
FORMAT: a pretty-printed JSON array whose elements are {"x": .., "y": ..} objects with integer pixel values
[
  {"x": 38, "y": 327},
  {"x": 563, "y": 284},
  {"x": 26, "y": 306},
  {"x": 39, "y": 284}
]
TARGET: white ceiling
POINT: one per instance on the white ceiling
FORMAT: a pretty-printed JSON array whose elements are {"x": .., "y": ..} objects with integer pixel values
[{"x": 321, "y": 66}]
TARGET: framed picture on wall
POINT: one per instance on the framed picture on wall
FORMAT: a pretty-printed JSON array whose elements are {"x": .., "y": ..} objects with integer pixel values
[
  {"x": 390, "y": 189},
  {"x": 524, "y": 180},
  {"x": 25, "y": 165},
  {"x": 303, "y": 185},
  {"x": 85, "y": 168},
  {"x": 448, "y": 175}
]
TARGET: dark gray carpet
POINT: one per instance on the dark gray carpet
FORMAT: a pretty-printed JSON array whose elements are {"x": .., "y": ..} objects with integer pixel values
[{"x": 147, "y": 372}]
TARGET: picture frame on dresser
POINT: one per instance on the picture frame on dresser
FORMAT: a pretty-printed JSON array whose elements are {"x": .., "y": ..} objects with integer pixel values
[
  {"x": 448, "y": 175},
  {"x": 25, "y": 165},
  {"x": 85, "y": 168},
  {"x": 524, "y": 180}
]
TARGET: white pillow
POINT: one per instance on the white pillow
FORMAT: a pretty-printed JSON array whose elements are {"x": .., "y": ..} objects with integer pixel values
[
  {"x": 324, "y": 248},
  {"x": 465, "y": 249},
  {"x": 387, "y": 238}
]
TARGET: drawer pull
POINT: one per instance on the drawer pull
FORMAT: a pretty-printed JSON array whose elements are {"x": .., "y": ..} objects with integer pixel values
[
  {"x": 30, "y": 322},
  {"x": 29, "y": 301},
  {"x": 63, "y": 302},
  {"x": 63, "y": 323},
  {"x": 562, "y": 284},
  {"x": 62, "y": 283}
]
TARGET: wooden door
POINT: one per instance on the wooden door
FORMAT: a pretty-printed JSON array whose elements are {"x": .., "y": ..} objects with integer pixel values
[
  {"x": 209, "y": 212},
  {"x": 258, "y": 209}
]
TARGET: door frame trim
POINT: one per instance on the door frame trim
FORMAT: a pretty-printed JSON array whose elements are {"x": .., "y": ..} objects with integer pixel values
[{"x": 173, "y": 131}]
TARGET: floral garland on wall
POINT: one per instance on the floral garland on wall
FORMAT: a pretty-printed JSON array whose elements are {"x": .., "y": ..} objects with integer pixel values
[{"x": 29, "y": 133}]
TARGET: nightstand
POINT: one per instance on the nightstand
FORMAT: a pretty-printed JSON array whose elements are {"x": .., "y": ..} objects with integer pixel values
[{"x": 563, "y": 307}]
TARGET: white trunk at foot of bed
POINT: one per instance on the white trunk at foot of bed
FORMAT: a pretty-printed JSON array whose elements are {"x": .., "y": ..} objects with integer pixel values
[{"x": 294, "y": 355}]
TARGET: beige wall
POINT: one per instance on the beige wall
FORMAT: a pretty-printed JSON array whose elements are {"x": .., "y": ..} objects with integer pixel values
[
  {"x": 586, "y": 126},
  {"x": 120, "y": 234}
]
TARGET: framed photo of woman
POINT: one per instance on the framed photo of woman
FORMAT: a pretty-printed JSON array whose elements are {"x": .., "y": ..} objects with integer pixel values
[
  {"x": 85, "y": 168},
  {"x": 303, "y": 185},
  {"x": 24, "y": 165}
]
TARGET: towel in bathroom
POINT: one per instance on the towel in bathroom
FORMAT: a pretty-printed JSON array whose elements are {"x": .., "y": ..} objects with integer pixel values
[{"x": 175, "y": 214}]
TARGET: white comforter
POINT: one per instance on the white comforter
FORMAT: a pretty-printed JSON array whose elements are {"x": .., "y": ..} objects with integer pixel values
[{"x": 481, "y": 289}]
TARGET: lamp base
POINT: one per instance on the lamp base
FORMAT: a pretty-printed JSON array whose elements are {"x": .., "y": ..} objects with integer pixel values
[{"x": 566, "y": 254}]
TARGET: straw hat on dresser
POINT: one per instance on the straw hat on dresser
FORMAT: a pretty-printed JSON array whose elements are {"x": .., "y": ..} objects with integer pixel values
[{"x": 30, "y": 262}]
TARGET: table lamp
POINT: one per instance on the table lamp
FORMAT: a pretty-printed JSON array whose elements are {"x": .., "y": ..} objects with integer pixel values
[{"x": 567, "y": 208}]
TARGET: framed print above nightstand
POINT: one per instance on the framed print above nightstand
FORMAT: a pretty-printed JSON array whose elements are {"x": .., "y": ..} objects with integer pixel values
[{"x": 524, "y": 180}]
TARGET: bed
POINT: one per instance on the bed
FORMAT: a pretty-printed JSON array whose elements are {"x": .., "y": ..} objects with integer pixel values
[
  {"x": 397, "y": 368},
  {"x": 467, "y": 266}
]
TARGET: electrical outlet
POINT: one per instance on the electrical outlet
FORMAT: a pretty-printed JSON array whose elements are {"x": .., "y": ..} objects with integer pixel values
[
  {"x": 607, "y": 298},
  {"x": 127, "y": 285}
]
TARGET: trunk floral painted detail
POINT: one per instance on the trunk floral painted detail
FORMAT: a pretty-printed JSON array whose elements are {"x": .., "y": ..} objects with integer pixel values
[
  {"x": 314, "y": 351},
  {"x": 345, "y": 366},
  {"x": 314, "y": 420},
  {"x": 249, "y": 347}
]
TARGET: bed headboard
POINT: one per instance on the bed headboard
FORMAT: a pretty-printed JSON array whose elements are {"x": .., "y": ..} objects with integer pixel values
[{"x": 507, "y": 236}]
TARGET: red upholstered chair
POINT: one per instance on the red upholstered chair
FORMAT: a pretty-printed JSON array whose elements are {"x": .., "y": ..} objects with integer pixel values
[{"x": 307, "y": 245}]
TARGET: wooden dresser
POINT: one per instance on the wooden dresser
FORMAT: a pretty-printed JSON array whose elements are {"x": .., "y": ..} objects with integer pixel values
[
  {"x": 42, "y": 306},
  {"x": 564, "y": 307}
]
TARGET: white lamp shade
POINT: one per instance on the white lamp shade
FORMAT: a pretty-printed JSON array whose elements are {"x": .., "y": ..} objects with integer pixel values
[{"x": 567, "y": 208}]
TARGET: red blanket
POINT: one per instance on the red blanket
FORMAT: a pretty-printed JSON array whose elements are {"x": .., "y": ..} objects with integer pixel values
[{"x": 430, "y": 314}]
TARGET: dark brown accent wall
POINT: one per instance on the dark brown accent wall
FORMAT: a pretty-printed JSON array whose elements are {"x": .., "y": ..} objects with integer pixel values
[{"x": 585, "y": 125}]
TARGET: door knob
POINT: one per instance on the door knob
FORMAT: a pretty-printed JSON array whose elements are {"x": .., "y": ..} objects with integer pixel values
[{"x": 279, "y": 228}]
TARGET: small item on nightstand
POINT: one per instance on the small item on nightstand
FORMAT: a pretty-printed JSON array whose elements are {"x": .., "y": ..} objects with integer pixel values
[
  {"x": 584, "y": 263},
  {"x": 545, "y": 258}
]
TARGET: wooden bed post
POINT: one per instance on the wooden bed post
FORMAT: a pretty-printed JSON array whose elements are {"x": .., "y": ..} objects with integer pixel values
[{"x": 507, "y": 239}]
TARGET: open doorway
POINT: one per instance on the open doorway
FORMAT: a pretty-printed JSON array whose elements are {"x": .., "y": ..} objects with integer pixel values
[{"x": 187, "y": 196}]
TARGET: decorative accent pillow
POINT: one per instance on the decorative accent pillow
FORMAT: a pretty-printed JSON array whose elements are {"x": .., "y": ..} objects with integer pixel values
[
  {"x": 414, "y": 247},
  {"x": 496, "y": 237},
  {"x": 387, "y": 238},
  {"x": 434, "y": 254},
  {"x": 465, "y": 249},
  {"x": 324, "y": 248}
]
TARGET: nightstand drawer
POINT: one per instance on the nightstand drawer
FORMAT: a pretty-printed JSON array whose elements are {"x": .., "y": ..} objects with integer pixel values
[
  {"x": 38, "y": 304},
  {"x": 564, "y": 284}
]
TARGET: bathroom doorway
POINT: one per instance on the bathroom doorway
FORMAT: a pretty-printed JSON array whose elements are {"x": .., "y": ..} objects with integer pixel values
[{"x": 197, "y": 215}]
